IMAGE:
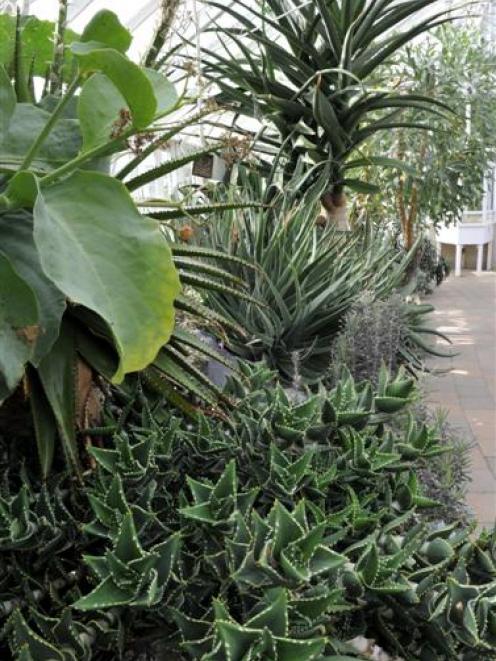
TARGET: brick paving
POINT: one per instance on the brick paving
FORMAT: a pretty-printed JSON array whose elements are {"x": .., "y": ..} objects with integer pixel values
[{"x": 466, "y": 312}]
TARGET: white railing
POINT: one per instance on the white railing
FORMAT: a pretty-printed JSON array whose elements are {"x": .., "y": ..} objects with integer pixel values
[
  {"x": 479, "y": 217},
  {"x": 475, "y": 229}
]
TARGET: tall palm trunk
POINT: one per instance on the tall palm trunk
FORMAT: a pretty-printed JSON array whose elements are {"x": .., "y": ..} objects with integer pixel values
[{"x": 335, "y": 204}]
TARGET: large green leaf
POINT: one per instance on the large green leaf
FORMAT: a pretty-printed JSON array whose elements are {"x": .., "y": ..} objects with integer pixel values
[
  {"x": 18, "y": 326},
  {"x": 128, "y": 77},
  {"x": 7, "y": 101},
  {"x": 27, "y": 122},
  {"x": 99, "y": 106},
  {"x": 164, "y": 91},
  {"x": 17, "y": 244},
  {"x": 106, "y": 28},
  {"x": 103, "y": 254}
]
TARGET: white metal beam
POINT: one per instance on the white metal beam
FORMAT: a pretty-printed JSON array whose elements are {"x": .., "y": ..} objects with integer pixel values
[
  {"x": 76, "y": 8},
  {"x": 143, "y": 14}
]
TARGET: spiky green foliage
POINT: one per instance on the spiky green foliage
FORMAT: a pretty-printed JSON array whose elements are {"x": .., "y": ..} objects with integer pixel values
[
  {"x": 306, "y": 69},
  {"x": 309, "y": 277},
  {"x": 376, "y": 332},
  {"x": 281, "y": 533}
]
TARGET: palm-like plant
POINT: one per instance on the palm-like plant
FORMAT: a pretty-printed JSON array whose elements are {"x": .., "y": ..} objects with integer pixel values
[{"x": 307, "y": 67}]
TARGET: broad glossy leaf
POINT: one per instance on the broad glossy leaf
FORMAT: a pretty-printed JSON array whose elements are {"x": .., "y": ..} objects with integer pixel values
[
  {"x": 17, "y": 243},
  {"x": 128, "y": 77},
  {"x": 62, "y": 144},
  {"x": 51, "y": 101},
  {"x": 106, "y": 28},
  {"x": 104, "y": 255},
  {"x": 100, "y": 106},
  {"x": 7, "y": 101},
  {"x": 18, "y": 326}
]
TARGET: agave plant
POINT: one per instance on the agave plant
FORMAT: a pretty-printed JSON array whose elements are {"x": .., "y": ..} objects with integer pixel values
[
  {"x": 89, "y": 285},
  {"x": 309, "y": 277},
  {"x": 306, "y": 69}
]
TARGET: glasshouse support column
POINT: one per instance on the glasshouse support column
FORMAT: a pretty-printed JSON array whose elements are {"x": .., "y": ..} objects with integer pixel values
[
  {"x": 480, "y": 254},
  {"x": 458, "y": 259}
]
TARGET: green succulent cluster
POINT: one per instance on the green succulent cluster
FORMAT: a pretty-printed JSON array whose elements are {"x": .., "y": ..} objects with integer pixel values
[
  {"x": 33, "y": 523},
  {"x": 279, "y": 533},
  {"x": 309, "y": 278}
]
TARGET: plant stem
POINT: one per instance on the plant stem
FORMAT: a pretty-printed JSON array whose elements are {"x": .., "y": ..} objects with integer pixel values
[
  {"x": 101, "y": 150},
  {"x": 50, "y": 124},
  {"x": 168, "y": 11},
  {"x": 129, "y": 167},
  {"x": 55, "y": 75},
  {"x": 82, "y": 158}
]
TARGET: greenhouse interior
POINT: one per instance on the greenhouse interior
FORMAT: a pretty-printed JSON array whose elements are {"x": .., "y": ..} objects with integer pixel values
[{"x": 247, "y": 330}]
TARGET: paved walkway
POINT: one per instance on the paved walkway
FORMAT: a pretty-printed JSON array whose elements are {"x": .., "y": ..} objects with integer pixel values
[{"x": 466, "y": 312}]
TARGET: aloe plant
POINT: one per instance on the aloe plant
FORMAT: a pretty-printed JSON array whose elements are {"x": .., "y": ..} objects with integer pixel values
[
  {"x": 285, "y": 531},
  {"x": 308, "y": 69},
  {"x": 309, "y": 277}
]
